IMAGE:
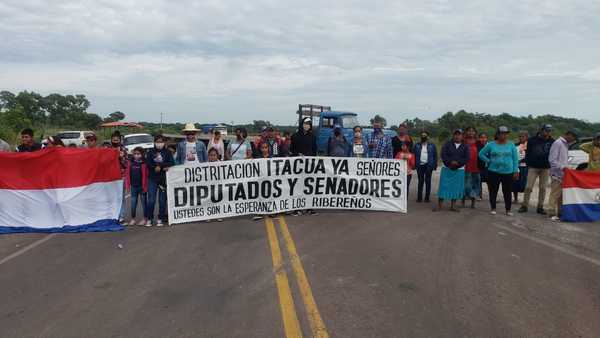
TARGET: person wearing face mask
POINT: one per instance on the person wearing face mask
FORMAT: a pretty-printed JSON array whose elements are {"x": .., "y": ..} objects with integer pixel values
[
  {"x": 136, "y": 182},
  {"x": 359, "y": 145},
  {"x": 304, "y": 141},
  {"x": 115, "y": 143},
  {"x": 426, "y": 160},
  {"x": 402, "y": 138},
  {"x": 380, "y": 144},
  {"x": 158, "y": 161},
  {"x": 191, "y": 150},
  {"x": 338, "y": 145}
]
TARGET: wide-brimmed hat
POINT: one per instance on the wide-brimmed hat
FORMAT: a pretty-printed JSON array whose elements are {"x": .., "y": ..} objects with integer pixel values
[{"x": 190, "y": 127}]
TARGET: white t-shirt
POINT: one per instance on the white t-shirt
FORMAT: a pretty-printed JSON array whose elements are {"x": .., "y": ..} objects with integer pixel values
[
  {"x": 424, "y": 154},
  {"x": 217, "y": 145},
  {"x": 240, "y": 154},
  {"x": 190, "y": 152}
]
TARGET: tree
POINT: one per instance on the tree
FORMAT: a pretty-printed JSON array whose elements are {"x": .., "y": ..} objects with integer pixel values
[{"x": 380, "y": 119}]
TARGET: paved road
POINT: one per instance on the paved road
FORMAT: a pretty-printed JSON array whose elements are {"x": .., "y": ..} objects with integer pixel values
[{"x": 341, "y": 274}]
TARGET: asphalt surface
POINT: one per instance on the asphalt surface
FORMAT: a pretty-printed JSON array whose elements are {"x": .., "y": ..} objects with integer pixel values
[{"x": 369, "y": 274}]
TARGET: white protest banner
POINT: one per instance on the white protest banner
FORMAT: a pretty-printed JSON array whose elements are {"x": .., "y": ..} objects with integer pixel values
[{"x": 269, "y": 186}]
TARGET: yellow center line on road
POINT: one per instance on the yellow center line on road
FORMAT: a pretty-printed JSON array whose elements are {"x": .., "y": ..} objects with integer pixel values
[
  {"x": 291, "y": 324},
  {"x": 314, "y": 317}
]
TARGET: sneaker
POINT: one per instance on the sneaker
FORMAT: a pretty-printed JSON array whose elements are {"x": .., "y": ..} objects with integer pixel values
[
  {"x": 541, "y": 211},
  {"x": 493, "y": 212},
  {"x": 159, "y": 223},
  {"x": 143, "y": 222},
  {"x": 148, "y": 224},
  {"x": 508, "y": 213},
  {"x": 122, "y": 221},
  {"x": 312, "y": 212},
  {"x": 219, "y": 220},
  {"x": 555, "y": 218},
  {"x": 297, "y": 213},
  {"x": 257, "y": 218},
  {"x": 523, "y": 209},
  {"x": 208, "y": 221},
  {"x": 132, "y": 222}
]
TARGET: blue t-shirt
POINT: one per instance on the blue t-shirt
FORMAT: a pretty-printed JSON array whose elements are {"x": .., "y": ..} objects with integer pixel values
[{"x": 500, "y": 158}]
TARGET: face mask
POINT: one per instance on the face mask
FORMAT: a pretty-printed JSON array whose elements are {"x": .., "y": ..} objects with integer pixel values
[
  {"x": 115, "y": 144},
  {"x": 137, "y": 157},
  {"x": 423, "y": 138},
  {"x": 306, "y": 127},
  {"x": 159, "y": 145}
]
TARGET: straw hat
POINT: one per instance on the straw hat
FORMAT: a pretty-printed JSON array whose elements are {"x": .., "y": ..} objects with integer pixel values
[{"x": 190, "y": 127}]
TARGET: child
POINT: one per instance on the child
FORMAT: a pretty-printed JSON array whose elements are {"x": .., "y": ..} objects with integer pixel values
[
  {"x": 405, "y": 154},
  {"x": 136, "y": 182},
  {"x": 213, "y": 156},
  {"x": 158, "y": 160},
  {"x": 265, "y": 152}
]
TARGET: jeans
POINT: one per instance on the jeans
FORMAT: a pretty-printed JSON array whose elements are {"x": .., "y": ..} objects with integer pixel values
[
  {"x": 494, "y": 181},
  {"x": 532, "y": 175},
  {"x": 135, "y": 193},
  {"x": 424, "y": 177},
  {"x": 472, "y": 185},
  {"x": 123, "y": 204},
  {"x": 153, "y": 189}
]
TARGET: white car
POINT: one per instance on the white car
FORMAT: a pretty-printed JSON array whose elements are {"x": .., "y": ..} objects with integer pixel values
[
  {"x": 578, "y": 159},
  {"x": 74, "y": 137},
  {"x": 133, "y": 141}
]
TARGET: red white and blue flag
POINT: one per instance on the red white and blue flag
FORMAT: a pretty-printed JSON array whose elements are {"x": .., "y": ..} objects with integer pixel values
[
  {"x": 581, "y": 196},
  {"x": 60, "y": 190}
]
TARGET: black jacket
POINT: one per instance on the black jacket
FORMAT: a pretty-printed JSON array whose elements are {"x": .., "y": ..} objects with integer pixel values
[
  {"x": 538, "y": 151},
  {"x": 304, "y": 143},
  {"x": 451, "y": 153}
]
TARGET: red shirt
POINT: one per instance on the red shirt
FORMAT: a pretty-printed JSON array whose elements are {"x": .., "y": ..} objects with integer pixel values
[
  {"x": 471, "y": 166},
  {"x": 410, "y": 160}
]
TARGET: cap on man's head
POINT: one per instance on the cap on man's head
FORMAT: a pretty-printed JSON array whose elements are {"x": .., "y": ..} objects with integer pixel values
[
  {"x": 307, "y": 120},
  {"x": 574, "y": 132},
  {"x": 503, "y": 130},
  {"x": 337, "y": 126},
  {"x": 90, "y": 136},
  {"x": 547, "y": 127},
  {"x": 457, "y": 131}
]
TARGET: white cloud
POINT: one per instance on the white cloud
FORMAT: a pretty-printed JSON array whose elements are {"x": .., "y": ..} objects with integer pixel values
[{"x": 222, "y": 57}]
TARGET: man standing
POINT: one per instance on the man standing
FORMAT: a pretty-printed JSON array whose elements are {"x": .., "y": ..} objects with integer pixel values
[
  {"x": 158, "y": 161},
  {"x": 304, "y": 141},
  {"x": 338, "y": 145},
  {"x": 27, "y": 144},
  {"x": 559, "y": 161},
  {"x": 191, "y": 150},
  {"x": 401, "y": 139},
  {"x": 380, "y": 145},
  {"x": 426, "y": 162},
  {"x": 239, "y": 149},
  {"x": 115, "y": 143},
  {"x": 536, "y": 159},
  {"x": 593, "y": 149}
]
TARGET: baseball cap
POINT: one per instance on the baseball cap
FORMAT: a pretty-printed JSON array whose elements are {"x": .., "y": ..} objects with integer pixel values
[
  {"x": 337, "y": 126},
  {"x": 574, "y": 131},
  {"x": 503, "y": 129},
  {"x": 547, "y": 127},
  {"x": 90, "y": 136},
  {"x": 457, "y": 131}
]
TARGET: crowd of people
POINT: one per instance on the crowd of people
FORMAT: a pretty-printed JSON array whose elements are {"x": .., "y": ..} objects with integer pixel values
[{"x": 468, "y": 160}]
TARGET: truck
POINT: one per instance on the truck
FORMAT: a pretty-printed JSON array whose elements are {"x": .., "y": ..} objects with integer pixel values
[{"x": 324, "y": 119}]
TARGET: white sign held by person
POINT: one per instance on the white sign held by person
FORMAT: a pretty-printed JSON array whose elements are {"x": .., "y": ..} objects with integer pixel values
[{"x": 269, "y": 186}]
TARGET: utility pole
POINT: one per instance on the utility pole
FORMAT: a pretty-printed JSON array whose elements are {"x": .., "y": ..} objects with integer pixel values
[{"x": 161, "y": 121}]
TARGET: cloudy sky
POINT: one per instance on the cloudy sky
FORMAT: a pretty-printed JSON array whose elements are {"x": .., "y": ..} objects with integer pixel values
[{"x": 230, "y": 60}]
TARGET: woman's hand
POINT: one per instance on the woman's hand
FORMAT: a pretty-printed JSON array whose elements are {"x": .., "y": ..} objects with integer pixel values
[{"x": 516, "y": 176}]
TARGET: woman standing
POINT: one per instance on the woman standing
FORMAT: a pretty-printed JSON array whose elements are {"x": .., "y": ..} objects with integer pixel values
[
  {"x": 521, "y": 183},
  {"x": 359, "y": 145},
  {"x": 502, "y": 161},
  {"x": 405, "y": 154},
  {"x": 216, "y": 142},
  {"x": 452, "y": 179},
  {"x": 472, "y": 178}
]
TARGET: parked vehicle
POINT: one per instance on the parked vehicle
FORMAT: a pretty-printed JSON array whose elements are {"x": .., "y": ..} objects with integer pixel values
[
  {"x": 327, "y": 119},
  {"x": 133, "y": 141},
  {"x": 578, "y": 159},
  {"x": 73, "y": 137}
]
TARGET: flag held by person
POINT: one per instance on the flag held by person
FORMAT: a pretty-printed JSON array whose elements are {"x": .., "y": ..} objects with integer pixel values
[
  {"x": 581, "y": 196},
  {"x": 60, "y": 190}
]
